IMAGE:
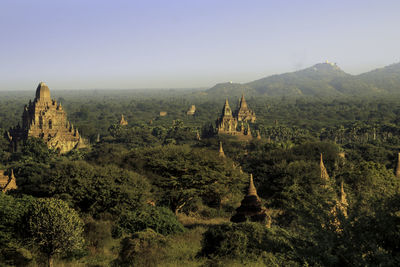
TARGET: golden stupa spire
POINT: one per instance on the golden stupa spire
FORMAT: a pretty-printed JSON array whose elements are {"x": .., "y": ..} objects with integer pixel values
[
  {"x": 252, "y": 189},
  {"x": 324, "y": 172},
  {"x": 398, "y": 166},
  {"x": 221, "y": 150},
  {"x": 343, "y": 195}
]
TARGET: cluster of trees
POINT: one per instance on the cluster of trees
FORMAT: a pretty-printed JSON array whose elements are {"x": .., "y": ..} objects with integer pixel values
[{"x": 133, "y": 183}]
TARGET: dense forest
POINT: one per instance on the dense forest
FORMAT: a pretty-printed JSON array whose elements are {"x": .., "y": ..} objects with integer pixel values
[{"x": 156, "y": 192}]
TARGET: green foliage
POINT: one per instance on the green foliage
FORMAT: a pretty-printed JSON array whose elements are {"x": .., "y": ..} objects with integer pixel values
[
  {"x": 159, "y": 219},
  {"x": 4, "y": 147},
  {"x": 144, "y": 248},
  {"x": 12, "y": 212},
  {"x": 373, "y": 239},
  {"x": 97, "y": 233},
  {"x": 107, "y": 153},
  {"x": 34, "y": 150},
  {"x": 277, "y": 169},
  {"x": 136, "y": 136},
  {"x": 181, "y": 174},
  {"x": 54, "y": 227},
  {"x": 105, "y": 184},
  {"x": 90, "y": 189},
  {"x": 248, "y": 241}
]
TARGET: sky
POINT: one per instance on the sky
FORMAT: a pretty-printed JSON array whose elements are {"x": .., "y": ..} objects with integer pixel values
[{"x": 117, "y": 44}]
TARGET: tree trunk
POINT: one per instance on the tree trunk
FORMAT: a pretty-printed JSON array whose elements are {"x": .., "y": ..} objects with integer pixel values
[{"x": 49, "y": 261}]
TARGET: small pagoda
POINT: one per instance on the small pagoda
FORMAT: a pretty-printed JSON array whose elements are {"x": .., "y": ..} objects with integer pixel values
[
  {"x": 251, "y": 207},
  {"x": 123, "y": 121}
]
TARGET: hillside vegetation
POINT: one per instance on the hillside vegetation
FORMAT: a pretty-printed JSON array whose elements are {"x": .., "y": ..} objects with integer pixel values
[{"x": 322, "y": 80}]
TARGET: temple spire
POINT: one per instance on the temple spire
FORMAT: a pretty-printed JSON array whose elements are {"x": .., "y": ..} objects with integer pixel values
[
  {"x": 227, "y": 109},
  {"x": 343, "y": 195},
  {"x": 398, "y": 166},
  {"x": 221, "y": 150},
  {"x": 252, "y": 189},
  {"x": 243, "y": 103},
  {"x": 324, "y": 172},
  {"x": 123, "y": 122},
  {"x": 43, "y": 92}
]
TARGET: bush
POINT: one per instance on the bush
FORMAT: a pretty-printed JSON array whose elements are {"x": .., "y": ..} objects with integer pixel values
[
  {"x": 54, "y": 227},
  {"x": 246, "y": 241},
  {"x": 97, "y": 233},
  {"x": 160, "y": 219},
  {"x": 142, "y": 249},
  {"x": 12, "y": 212}
]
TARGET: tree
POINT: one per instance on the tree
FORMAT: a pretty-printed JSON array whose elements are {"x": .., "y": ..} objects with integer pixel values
[
  {"x": 182, "y": 174},
  {"x": 87, "y": 188},
  {"x": 34, "y": 150},
  {"x": 160, "y": 219},
  {"x": 54, "y": 227},
  {"x": 12, "y": 212}
]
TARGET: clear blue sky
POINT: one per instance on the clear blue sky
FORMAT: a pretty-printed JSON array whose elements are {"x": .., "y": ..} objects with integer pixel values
[{"x": 79, "y": 44}]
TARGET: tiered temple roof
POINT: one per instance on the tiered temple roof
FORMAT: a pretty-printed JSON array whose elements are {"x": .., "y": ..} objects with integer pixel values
[
  {"x": 243, "y": 112},
  {"x": 44, "y": 118},
  {"x": 227, "y": 123}
]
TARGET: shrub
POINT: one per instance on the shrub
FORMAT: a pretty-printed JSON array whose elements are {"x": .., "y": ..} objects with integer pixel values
[
  {"x": 160, "y": 219},
  {"x": 142, "y": 249},
  {"x": 97, "y": 233},
  {"x": 245, "y": 241},
  {"x": 54, "y": 227}
]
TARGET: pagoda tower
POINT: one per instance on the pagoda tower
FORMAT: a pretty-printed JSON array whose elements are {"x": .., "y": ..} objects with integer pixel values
[
  {"x": 45, "y": 119},
  {"x": 123, "y": 122},
  {"x": 251, "y": 207},
  {"x": 226, "y": 123},
  {"x": 243, "y": 113}
]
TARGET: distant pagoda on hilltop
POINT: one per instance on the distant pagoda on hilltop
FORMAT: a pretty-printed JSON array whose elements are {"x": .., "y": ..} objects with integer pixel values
[{"x": 44, "y": 118}]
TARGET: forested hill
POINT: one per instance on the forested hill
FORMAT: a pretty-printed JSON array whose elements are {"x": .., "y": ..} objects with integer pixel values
[{"x": 323, "y": 79}]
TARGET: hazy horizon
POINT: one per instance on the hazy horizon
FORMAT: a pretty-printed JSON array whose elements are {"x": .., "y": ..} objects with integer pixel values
[{"x": 187, "y": 44}]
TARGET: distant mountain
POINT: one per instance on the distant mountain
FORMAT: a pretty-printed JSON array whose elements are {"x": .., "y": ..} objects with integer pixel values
[
  {"x": 385, "y": 79},
  {"x": 323, "y": 79},
  {"x": 230, "y": 89},
  {"x": 311, "y": 81}
]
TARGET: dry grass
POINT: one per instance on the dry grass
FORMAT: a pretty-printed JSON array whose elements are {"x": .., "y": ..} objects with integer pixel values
[
  {"x": 192, "y": 221},
  {"x": 182, "y": 249}
]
